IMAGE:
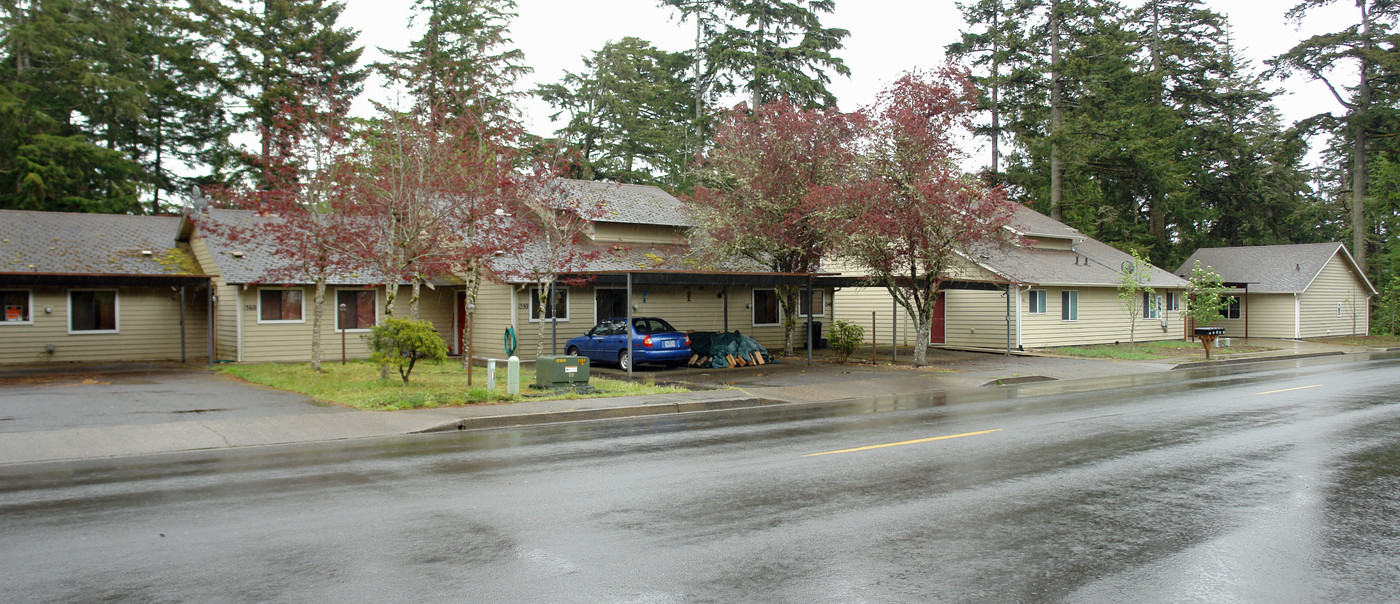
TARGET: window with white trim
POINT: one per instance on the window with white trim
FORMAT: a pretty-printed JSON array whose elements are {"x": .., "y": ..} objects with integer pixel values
[
  {"x": 766, "y": 307},
  {"x": 280, "y": 305},
  {"x": 361, "y": 309},
  {"x": 1173, "y": 302},
  {"x": 1151, "y": 308},
  {"x": 16, "y": 305},
  {"x": 818, "y": 299},
  {"x": 1231, "y": 310},
  {"x": 1036, "y": 302},
  {"x": 92, "y": 310},
  {"x": 561, "y": 305},
  {"x": 1069, "y": 305}
]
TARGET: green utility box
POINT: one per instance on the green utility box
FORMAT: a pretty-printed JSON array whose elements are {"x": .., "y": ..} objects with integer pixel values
[{"x": 561, "y": 371}]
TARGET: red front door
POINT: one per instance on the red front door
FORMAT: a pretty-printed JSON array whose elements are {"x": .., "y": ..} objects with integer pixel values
[
  {"x": 461, "y": 313},
  {"x": 935, "y": 330}
]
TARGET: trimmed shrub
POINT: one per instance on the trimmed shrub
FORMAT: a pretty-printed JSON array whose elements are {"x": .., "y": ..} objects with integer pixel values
[
  {"x": 401, "y": 343},
  {"x": 845, "y": 338}
]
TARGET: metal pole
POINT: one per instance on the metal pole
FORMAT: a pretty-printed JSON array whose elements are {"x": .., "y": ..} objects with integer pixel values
[
  {"x": 725, "y": 291},
  {"x": 894, "y": 329},
  {"x": 631, "y": 361},
  {"x": 809, "y": 318},
  {"x": 873, "y": 351},
  {"x": 553, "y": 324}
]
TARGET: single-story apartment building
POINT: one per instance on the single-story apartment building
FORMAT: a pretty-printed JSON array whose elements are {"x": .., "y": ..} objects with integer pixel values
[
  {"x": 1053, "y": 287},
  {"x": 1289, "y": 291}
]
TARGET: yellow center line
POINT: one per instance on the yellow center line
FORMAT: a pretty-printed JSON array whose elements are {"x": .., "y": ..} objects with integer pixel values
[
  {"x": 1289, "y": 389},
  {"x": 907, "y": 442}
]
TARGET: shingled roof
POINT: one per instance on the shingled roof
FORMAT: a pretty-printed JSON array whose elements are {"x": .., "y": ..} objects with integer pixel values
[
  {"x": 1283, "y": 269},
  {"x": 66, "y": 243},
  {"x": 243, "y": 256},
  {"x": 1091, "y": 263},
  {"x": 631, "y": 204}
]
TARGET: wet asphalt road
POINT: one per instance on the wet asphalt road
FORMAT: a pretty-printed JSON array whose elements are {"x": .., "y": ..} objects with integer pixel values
[{"x": 1276, "y": 486}]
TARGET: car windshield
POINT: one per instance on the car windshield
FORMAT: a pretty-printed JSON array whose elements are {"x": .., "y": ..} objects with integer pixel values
[{"x": 652, "y": 326}]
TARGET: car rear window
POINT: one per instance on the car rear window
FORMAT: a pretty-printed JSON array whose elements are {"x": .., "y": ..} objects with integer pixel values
[{"x": 652, "y": 326}]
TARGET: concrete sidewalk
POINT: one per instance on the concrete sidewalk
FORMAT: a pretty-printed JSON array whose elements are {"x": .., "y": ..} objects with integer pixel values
[{"x": 791, "y": 382}]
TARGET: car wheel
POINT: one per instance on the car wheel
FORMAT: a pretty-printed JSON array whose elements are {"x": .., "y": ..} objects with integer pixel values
[
  {"x": 624, "y": 361},
  {"x": 572, "y": 351}
]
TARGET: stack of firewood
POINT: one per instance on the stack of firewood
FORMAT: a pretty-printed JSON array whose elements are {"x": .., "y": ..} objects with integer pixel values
[{"x": 740, "y": 360}]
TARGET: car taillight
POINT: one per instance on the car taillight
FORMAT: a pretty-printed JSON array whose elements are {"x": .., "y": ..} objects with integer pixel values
[
  {"x": 646, "y": 342},
  {"x": 687, "y": 340}
]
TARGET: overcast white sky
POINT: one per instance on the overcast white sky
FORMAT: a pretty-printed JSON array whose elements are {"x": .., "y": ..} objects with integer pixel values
[{"x": 887, "y": 38}]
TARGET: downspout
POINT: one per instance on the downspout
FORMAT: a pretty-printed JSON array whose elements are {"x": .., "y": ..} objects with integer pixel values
[
  {"x": 809, "y": 319},
  {"x": 1297, "y": 317},
  {"x": 182, "y": 325},
  {"x": 1245, "y": 309},
  {"x": 210, "y": 324},
  {"x": 627, "y": 332},
  {"x": 1020, "y": 342},
  {"x": 1006, "y": 292}
]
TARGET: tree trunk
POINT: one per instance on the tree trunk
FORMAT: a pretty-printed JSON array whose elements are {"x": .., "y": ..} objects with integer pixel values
[
  {"x": 1056, "y": 117},
  {"x": 316, "y": 315},
  {"x": 1360, "y": 117},
  {"x": 473, "y": 286},
  {"x": 788, "y": 294},
  {"x": 414, "y": 297},
  {"x": 391, "y": 291}
]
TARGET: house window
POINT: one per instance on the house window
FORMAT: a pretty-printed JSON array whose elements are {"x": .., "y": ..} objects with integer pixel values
[
  {"x": 1069, "y": 305},
  {"x": 280, "y": 306},
  {"x": 361, "y": 307},
  {"x": 765, "y": 307},
  {"x": 561, "y": 305},
  {"x": 1151, "y": 308},
  {"x": 92, "y": 310},
  {"x": 1339, "y": 309},
  {"x": 1173, "y": 302},
  {"x": 16, "y": 305},
  {"x": 1232, "y": 309},
  {"x": 818, "y": 297},
  {"x": 1037, "y": 302}
]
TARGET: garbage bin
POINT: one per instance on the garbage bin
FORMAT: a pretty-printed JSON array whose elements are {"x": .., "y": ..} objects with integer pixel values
[{"x": 817, "y": 340}]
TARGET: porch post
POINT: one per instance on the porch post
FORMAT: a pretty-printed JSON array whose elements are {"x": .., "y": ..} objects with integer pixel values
[
  {"x": 1006, "y": 290},
  {"x": 210, "y": 323},
  {"x": 627, "y": 333},
  {"x": 553, "y": 324},
  {"x": 725, "y": 292},
  {"x": 894, "y": 329},
  {"x": 809, "y": 318}
]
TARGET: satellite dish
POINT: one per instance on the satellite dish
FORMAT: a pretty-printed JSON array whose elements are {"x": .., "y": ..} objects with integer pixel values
[
  {"x": 198, "y": 200},
  {"x": 1128, "y": 267}
]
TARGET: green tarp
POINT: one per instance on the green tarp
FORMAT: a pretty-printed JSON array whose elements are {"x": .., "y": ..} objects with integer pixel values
[{"x": 717, "y": 345}]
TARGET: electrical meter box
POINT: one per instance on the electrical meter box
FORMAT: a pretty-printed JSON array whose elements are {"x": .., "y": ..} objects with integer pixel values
[{"x": 561, "y": 371}]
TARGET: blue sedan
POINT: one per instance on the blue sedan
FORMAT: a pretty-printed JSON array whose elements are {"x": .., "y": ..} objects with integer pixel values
[{"x": 653, "y": 341}]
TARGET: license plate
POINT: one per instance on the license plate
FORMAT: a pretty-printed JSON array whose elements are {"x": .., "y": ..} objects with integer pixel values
[{"x": 668, "y": 344}]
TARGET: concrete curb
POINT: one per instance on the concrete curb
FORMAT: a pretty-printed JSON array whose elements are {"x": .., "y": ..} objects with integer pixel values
[
  {"x": 1286, "y": 357},
  {"x": 580, "y": 415}
]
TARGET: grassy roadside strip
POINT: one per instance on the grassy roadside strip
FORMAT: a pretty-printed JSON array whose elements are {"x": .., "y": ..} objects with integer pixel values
[
  {"x": 357, "y": 385},
  {"x": 1174, "y": 350}
]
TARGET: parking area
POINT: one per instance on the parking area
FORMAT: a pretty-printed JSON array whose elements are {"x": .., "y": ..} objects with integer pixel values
[{"x": 94, "y": 396}]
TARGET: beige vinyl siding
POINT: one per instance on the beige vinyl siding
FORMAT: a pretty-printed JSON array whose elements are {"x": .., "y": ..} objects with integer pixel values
[
  {"x": 855, "y": 305},
  {"x": 291, "y": 341},
  {"x": 148, "y": 328},
  {"x": 977, "y": 319},
  {"x": 637, "y": 233},
  {"x": 492, "y": 317},
  {"x": 1270, "y": 316},
  {"x": 1101, "y": 320},
  {"x": 1335, "y": 284}
]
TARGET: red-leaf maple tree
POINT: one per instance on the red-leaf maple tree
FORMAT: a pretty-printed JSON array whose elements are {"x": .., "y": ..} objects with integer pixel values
[
  {"x": 757, "y": 185},
  {"x": 909, "y": 213}
]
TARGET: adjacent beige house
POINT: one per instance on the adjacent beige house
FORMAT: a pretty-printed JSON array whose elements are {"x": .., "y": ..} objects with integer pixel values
[
  {"x": 99, "y": 287},
  {"x": 1058, "y": 287},
  {"x": 1289, "y": 291}
]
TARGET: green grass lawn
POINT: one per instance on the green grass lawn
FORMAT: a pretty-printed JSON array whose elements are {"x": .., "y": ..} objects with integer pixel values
[
  {"x": 1377, "y": 341},
  {"x": 1150, "y": 351},
  {"x": 357, "y": 384}
]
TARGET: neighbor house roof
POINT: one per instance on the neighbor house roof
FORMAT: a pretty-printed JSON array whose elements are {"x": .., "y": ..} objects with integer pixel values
[
  {"x": 1090, "y": 263},
  {"x": 1281, "y": 269},
  {"x": 76, "y": 244},
  {"x": 243, "y": 253},
  {"x": 631, "y": 204}
]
